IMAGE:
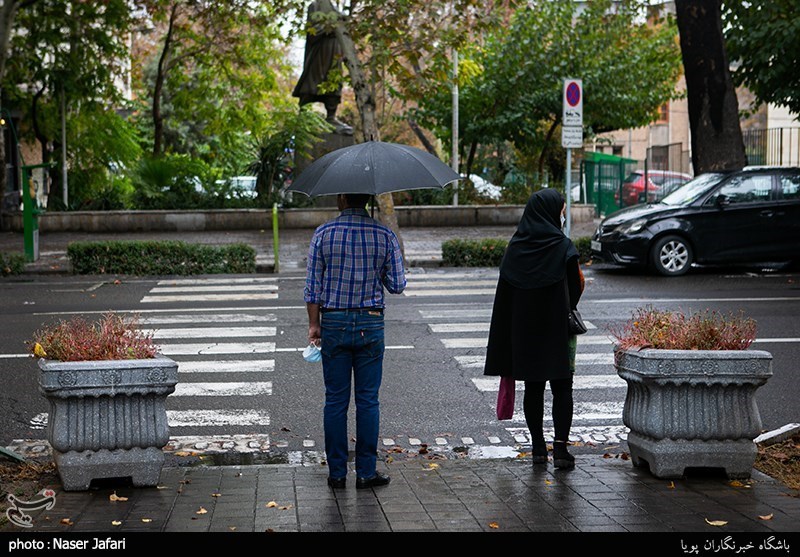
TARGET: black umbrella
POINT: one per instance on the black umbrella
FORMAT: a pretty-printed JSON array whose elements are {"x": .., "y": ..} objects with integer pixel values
[{"x": 373, "y": 167}]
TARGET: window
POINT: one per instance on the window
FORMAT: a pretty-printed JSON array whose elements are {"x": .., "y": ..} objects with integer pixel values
[
  {"x": 745, "y": 189},
  {"x": 663, "y": 114},
  {"x": 790, "y": 186}
]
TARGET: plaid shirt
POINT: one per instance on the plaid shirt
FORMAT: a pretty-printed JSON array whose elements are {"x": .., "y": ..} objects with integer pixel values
[{"x": 350, "y": 260}]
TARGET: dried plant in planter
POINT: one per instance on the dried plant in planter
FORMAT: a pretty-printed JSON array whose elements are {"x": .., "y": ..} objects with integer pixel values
[
  {"x": 113, "y": 337},
  {"x": 675, "y": 330}
]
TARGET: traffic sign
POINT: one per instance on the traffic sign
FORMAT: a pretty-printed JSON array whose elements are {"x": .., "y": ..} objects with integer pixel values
[
  {"x": 571, "y": 137},
  {"x": 572, "y": 115},
  {"x": 573, "y": 103}
]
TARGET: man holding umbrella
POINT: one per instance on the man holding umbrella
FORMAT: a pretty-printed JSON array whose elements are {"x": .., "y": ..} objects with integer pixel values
[{"x": 351, "y": 260}]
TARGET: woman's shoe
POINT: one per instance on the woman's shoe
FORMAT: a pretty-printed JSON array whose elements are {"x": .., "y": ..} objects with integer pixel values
[
  {"x": 561, "y": 457},
  {"x": 539, "y": 452}
]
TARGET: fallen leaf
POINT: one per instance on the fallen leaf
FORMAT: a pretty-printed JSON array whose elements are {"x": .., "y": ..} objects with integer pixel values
[
  {"x": 717, "y": 522},
  {"x": 67, "y": 521},
  {"x": 285, "y": 429},
  {"x": 548, "y": 482},
  {"x": 116, "y": 522},
  {"x": 494, "y": 525},
  {"x": 117, "y": 281},
  {"x": 201, "y": 511},
  {"x": 522, "y": 455},
  {"x": 186, "y": 481},
  {"x": 766, "y": 517},
  {"x": 432, "y": 466},
  {"x": 115, "y": 497},
  {"x": 182, "y": 453},
  {"x": 285, "y": 508},
  {"x": 671, "y": 485},
  {"x": 606, "y": 455},
  {"x": 147, "y": 520},
  {"x": 216, "y": 495},
  {"x": 271, "y": 504},
  {"x": 161, "y": 487},
  {"x": 231, "y": 528}
]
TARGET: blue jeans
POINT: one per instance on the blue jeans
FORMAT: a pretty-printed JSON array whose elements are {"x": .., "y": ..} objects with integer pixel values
[{"x": 352, "y": 347}]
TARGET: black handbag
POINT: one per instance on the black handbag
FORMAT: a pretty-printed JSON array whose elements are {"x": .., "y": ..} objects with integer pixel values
[{"x": 575, "y": 324}]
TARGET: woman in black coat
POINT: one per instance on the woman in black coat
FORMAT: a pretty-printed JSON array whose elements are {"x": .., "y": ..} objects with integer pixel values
[{"x": 528, "y": 336}]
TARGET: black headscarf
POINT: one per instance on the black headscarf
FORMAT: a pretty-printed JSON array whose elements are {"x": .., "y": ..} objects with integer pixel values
[{"x": 538, "y": 251}]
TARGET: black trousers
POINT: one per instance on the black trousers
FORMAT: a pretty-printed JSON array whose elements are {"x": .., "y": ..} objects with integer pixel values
[{"x": 533, "y": 406}]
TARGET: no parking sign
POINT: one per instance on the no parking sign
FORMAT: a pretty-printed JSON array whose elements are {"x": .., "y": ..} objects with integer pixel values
[{"x": 572, "y": 116}]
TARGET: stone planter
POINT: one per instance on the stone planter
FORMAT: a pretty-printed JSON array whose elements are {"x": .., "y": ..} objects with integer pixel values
[
  {"x": 108, "y": 419},
  {"x": 693, "y": 408}
]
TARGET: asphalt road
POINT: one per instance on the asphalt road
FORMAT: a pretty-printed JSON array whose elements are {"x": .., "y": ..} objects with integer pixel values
[{"x": 243, "y": 381}]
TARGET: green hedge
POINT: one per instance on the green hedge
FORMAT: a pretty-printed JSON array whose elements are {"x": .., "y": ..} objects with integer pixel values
[
  {"x": 473, "y": 253},
  {"x": 489, "y": 252},
  {"x": 11, "y": 263},
  {"x": 159, "y": 258}
]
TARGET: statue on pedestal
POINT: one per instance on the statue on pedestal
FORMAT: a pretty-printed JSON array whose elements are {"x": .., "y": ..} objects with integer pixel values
[{"x": 322, "y": 52}]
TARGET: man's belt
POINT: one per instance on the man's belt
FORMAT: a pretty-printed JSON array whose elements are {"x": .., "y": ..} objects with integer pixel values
[{"x": 352, "y": 310}]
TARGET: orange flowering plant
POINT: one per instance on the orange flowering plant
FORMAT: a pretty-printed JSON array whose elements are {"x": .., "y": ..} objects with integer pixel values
[
  {"x": 112, "y": 337},
  {"x": 675, "y": 330}
]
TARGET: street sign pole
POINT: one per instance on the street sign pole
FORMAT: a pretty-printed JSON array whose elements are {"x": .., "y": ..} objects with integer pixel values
[
  {"x": 568, "y": 189},
  {"x": 571, "y": 136}
]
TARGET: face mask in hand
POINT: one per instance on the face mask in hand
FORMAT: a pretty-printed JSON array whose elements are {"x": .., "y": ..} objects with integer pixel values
[{"x": 312, "y": 353}]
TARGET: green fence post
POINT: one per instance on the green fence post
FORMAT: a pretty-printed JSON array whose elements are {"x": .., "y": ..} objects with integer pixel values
[{"x": 275, "y": 242}]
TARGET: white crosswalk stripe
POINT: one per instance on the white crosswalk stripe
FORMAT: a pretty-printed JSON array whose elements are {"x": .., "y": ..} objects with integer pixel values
[
  {"x": 207, "y": 318},
  {"x": 211, "y": 332},
  {"x": 212, "y": 290},
  {"x": 199, "y": 349},
  {"x": 226, "y": 366}
]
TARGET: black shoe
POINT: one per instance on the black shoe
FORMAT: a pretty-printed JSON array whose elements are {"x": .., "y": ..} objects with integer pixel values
[
  {"x": 337, "y": 483},
  {"x": 539, "y": 453},
  {"x": 375, "y": 481},
  {"x": 561, "y": 457}
]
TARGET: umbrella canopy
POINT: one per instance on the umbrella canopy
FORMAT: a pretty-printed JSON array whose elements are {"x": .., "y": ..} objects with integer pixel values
[{"x": 373, "y": 167}]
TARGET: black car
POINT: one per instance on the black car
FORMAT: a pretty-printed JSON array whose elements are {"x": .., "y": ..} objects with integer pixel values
[{"x": 744, "y": 217}]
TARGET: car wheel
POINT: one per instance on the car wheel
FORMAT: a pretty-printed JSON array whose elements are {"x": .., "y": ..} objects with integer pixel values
[{"x": 671, "y": 256}]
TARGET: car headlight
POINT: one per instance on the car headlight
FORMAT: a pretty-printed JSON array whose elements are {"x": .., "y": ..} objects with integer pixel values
[{"x": 632, "y": 227}]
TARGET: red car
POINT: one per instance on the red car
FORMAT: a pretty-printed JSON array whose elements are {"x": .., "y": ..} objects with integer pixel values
[{"x": 660, "y": 184}]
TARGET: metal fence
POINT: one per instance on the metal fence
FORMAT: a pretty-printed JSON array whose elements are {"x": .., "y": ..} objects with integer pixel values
[{"x": 773, "y": 146}]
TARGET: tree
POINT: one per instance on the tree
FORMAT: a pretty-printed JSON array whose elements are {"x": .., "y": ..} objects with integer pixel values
[
  {"x": 763, "y": 39},
  {"x": 8, "y": 12},
  {"x": 210, "y": 74},
  {"x": 293, "y": 130},
  {"x": 66, "y": 56},
  {"x": 713, "y": 108},
  {"x": 629, "y": 68}
]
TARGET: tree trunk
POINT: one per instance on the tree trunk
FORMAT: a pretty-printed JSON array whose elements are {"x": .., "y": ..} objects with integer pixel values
[
  {"x": 545, "y": 147},
  {"x": 421, "y": 136},
  {"x": 365, "y": 101},
  {"x": 158, "y": 88},
  {"x": 473, "y": 147},
  {"x": 713, "y": 108}
]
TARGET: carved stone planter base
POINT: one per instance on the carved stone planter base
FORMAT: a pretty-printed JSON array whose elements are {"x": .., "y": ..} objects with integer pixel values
[
  {"x": 669, "y": 459},
  {"x": 78, "y": 469},
  {"x": 693, "y": 408},
  {"x": 108, "y": 419}
]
